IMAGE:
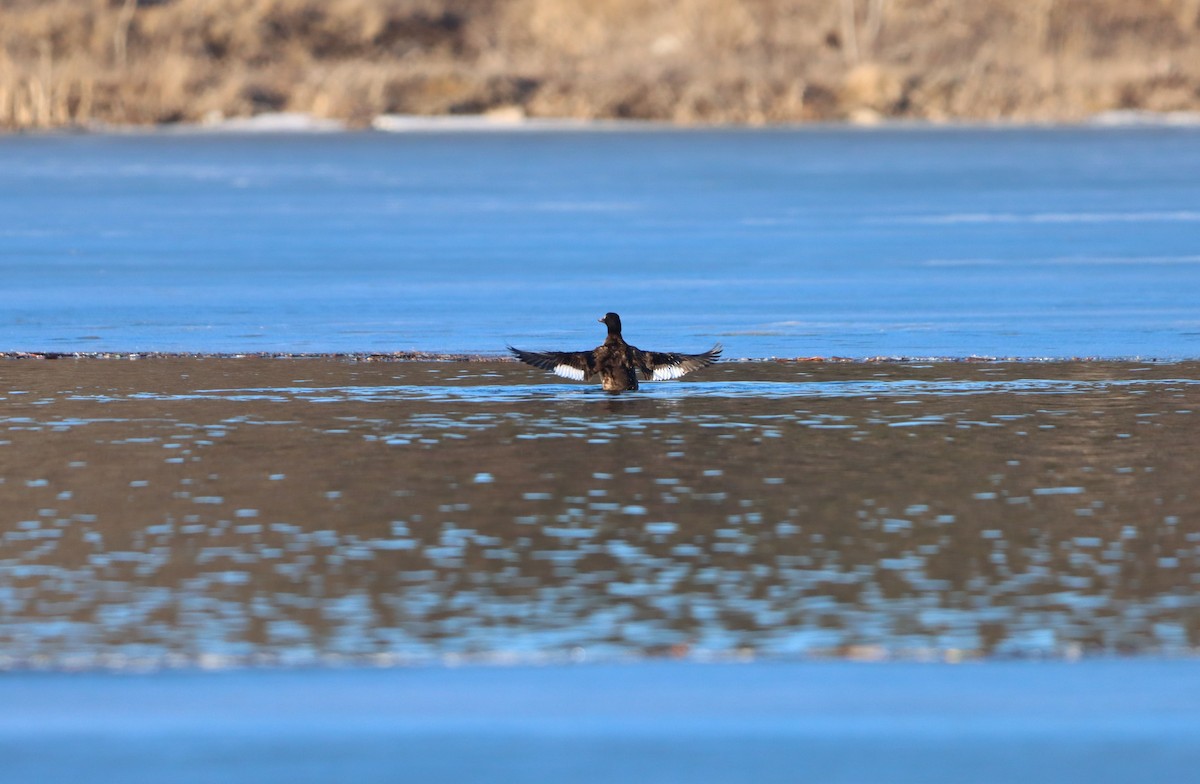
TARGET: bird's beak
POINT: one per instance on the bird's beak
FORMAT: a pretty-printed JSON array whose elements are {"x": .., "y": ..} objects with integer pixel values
[{"x": 601, "y": 319}]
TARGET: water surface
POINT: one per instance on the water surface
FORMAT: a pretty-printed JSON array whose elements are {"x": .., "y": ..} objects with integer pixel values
[
  {"x": 816, "y": 242},
  {"x": 835, "y": 723},
  {"x": 238, "y": 511}
]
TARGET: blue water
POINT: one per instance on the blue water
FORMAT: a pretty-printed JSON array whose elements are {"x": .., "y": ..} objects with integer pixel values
[
  {"x": 816, "y": 242},
  {"x": 1109, "y": 722}
]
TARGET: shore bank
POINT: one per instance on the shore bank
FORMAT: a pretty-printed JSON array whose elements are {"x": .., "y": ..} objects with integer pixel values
[{"x": 132, "y": 63}]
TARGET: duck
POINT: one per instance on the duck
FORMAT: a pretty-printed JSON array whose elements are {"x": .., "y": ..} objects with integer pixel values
[{"x": 616, "y": 362}]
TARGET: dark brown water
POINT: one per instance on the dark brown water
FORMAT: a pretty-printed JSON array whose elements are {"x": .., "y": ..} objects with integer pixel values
[{"x": 181, "y": 511}]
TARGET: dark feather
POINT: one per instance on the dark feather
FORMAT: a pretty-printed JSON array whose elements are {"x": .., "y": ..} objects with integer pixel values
[
  {"x": 583, "y": 363},
  {"x": 660, "y": 365}
]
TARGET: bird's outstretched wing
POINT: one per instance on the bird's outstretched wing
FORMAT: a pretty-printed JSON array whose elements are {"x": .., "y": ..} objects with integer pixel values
[
  {"x": 662, "y": 366},
  {"x": 576, "y": 365}
]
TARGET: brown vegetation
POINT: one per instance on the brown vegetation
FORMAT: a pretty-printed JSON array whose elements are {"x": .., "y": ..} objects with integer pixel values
[{"x": 65, "y": 62}]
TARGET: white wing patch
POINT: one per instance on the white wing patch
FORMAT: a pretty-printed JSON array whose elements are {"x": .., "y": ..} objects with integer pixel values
[
  {"x": 567, "y": 371},
  {"x": 668, "y": 372}
]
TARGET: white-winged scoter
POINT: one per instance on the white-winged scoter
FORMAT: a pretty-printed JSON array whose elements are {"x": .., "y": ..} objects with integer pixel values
[{"x": 617, "y": 362}]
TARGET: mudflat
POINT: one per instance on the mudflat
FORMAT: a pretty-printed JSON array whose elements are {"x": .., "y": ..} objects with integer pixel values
[{"x": 180, "y": 511}]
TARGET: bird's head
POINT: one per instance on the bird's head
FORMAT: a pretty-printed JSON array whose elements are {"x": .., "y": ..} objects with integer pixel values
[{"x": 613, "y": 321}]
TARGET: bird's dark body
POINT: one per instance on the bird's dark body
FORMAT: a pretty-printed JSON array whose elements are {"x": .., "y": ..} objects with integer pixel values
[{"x": 616, "y": 362}]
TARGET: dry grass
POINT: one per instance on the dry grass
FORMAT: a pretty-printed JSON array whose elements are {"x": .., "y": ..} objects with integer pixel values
[{"x": 66, "y": 62}]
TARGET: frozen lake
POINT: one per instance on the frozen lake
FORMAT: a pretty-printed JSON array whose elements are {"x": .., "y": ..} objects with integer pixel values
[{"x": 816, "y": 242}]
